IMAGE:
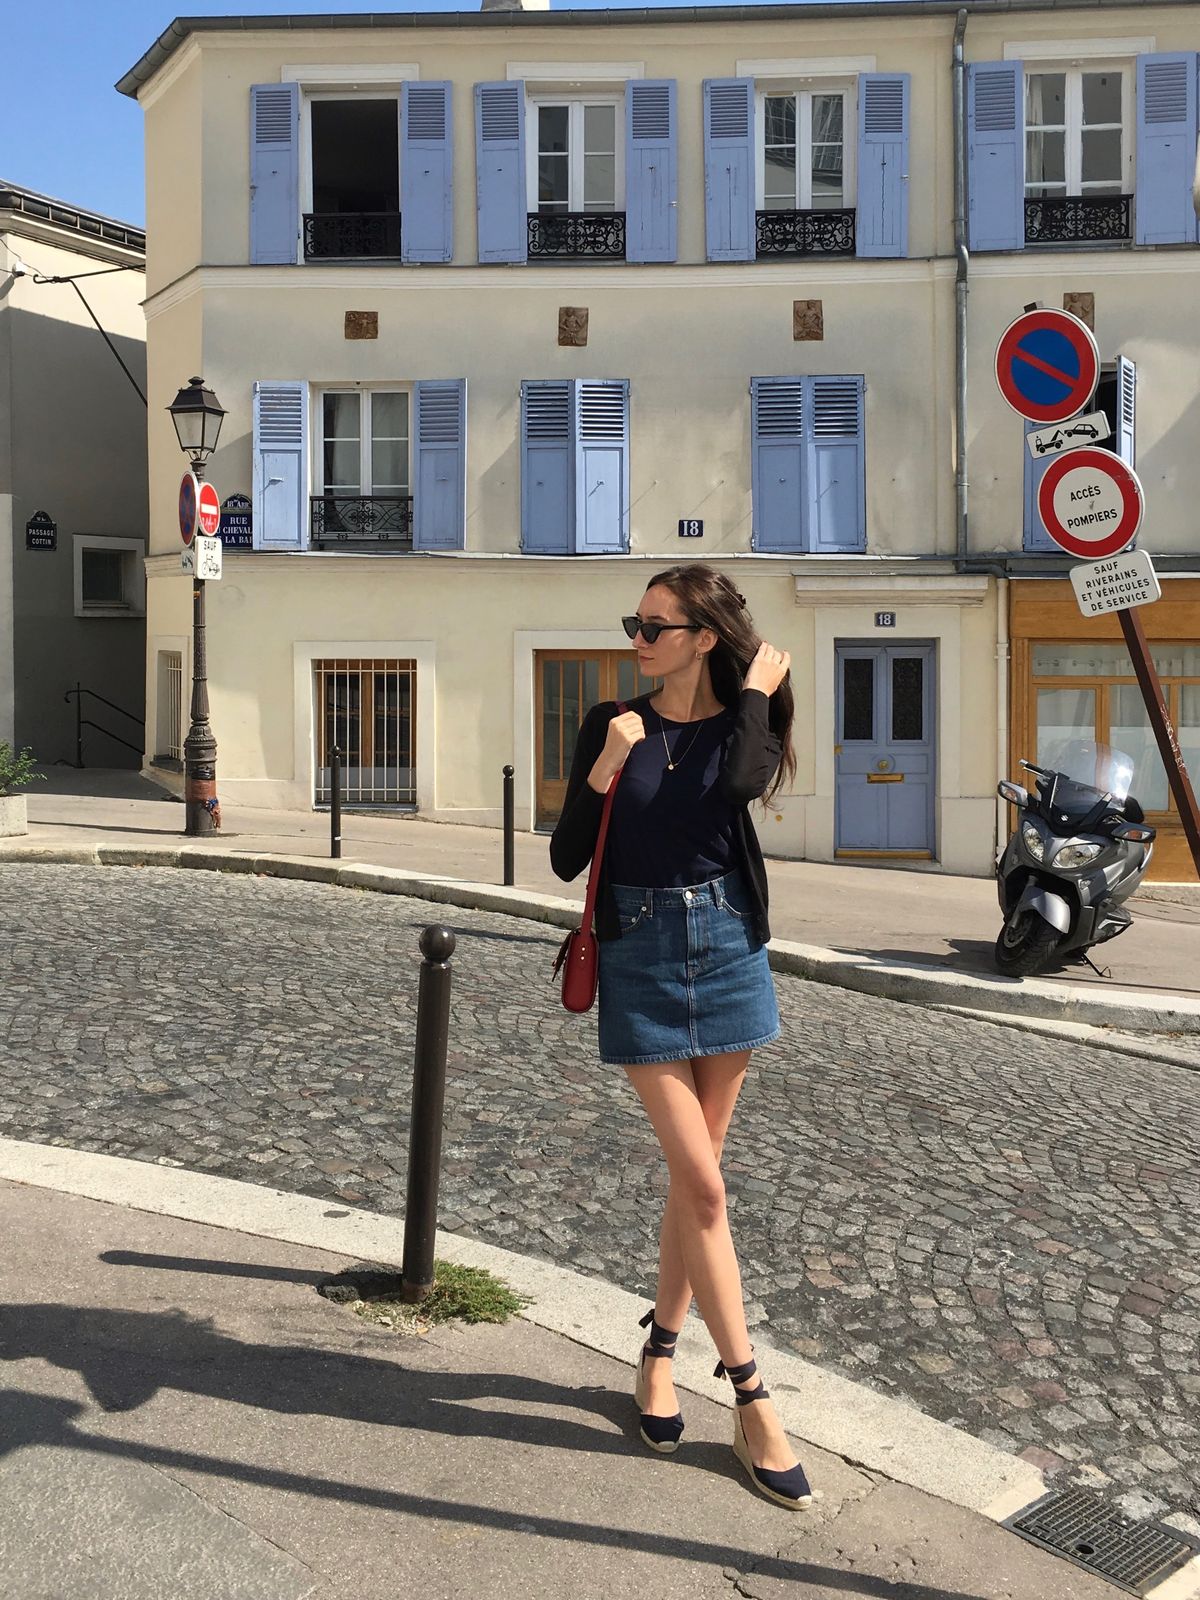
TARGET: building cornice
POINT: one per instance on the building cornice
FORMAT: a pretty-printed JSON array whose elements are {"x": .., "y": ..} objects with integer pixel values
[{"x": 90, "y": 233}]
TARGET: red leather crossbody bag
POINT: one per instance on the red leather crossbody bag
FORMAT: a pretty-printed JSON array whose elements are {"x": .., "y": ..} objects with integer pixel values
[{"x": 579, "y": 955}]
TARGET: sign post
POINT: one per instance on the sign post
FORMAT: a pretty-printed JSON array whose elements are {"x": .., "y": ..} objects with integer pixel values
[{"x": 1091, "y": 502}]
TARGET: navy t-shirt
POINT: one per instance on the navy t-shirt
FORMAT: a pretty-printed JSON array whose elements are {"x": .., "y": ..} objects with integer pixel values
[{"x": 672, "y": 828}]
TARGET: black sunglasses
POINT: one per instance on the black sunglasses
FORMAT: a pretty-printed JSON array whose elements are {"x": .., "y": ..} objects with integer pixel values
[{"x": 651, "y": 630}]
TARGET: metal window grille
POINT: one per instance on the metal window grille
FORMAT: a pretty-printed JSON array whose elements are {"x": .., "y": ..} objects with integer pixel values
[
  {"x": 170, "y": 704},
  {"x": 368, "y": 709}
]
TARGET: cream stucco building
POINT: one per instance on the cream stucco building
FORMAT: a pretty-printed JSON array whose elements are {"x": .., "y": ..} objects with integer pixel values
[{"x": 509, "y": 309}]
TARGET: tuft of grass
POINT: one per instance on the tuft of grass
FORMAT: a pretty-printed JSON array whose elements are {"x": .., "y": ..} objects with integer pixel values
[{"x": 459, "y": 1294}]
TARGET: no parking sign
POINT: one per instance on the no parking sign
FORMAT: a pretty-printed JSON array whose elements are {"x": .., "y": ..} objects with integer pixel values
[{"x": 1047, "y": 365}]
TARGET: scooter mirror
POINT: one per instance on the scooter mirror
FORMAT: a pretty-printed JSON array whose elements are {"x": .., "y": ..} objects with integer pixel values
[{"x": 1013, "y": 793}]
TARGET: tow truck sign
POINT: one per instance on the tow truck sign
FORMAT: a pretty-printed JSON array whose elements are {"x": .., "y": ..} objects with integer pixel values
[{"x": 1056, "y": 441}]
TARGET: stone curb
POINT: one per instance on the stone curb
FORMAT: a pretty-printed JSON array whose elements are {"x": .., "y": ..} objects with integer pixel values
[
  {"x": 914, "y": 983},
  {"x": 866, "y": 1428}
]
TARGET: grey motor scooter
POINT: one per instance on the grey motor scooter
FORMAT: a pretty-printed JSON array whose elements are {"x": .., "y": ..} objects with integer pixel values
[{"x": 1079, "y": 850}]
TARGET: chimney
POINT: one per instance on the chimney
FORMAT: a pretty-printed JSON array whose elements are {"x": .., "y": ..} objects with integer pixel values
[{"x": 515, "y": 5}]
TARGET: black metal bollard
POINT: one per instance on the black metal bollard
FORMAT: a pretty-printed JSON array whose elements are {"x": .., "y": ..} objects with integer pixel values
[
  {"x": 428, "y": 1101},
  {"x": 335, "y": 803},
  {"x": 510, "y": 875}
]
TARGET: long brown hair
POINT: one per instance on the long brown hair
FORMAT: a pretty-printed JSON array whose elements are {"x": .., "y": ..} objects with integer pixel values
[{"x": 710, "y": 598}]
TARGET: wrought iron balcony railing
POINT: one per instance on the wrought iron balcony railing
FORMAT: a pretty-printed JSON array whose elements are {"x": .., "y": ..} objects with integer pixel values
[
  {"x": 361, "y": 521},
  {"x": 345, "y": 235},
  {"x": 1078, "y": 219},
  {"x": 594, "y": 235},
  {"x": 804, "y": 233}
]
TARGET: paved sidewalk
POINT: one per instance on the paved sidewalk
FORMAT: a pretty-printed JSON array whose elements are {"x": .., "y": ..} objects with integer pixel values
[
  {"x": 914, "y": 935},
  {"x": 191, "y": 1419}
]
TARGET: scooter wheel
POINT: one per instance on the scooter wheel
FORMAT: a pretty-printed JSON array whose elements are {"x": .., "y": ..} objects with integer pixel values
[{"x": 1026, "y": 947}]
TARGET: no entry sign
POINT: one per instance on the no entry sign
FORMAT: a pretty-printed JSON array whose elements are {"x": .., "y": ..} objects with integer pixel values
[
  {"x": 209, "y": 510},
  {"x": 1047, "y": 364},
  {"x": 189, "y": 506},
  {"x": 1090, "y": 503}
]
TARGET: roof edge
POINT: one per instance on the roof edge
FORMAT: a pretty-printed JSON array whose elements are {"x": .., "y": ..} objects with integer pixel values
[{"x": 183, "y": 28}]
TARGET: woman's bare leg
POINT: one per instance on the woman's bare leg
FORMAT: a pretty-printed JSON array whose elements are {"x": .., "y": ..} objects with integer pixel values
[{"x": 669, "y": 1093}]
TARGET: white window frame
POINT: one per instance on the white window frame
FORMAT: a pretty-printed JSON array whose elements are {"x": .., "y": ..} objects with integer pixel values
[
  {"x": 357, "y": 91},
  {"x": 806, "y": 87},
  {"x": 1073, "y": 114},
  {"x": 575, "y": 101},
  {"x": 133, "y": 552},
  {"x": 317, "y": 430}
]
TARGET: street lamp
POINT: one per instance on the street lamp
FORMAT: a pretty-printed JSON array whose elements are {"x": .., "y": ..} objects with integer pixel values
[{"x": 197, "y": 415}]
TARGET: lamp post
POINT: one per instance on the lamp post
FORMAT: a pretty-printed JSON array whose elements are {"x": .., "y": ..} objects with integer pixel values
[{"x": 197, "y": 415}]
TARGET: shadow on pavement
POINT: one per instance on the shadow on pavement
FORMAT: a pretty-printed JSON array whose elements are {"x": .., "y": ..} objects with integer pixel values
[
  {"x": 223, "y": 1269},
  {"x": 31, "y": 1419}
]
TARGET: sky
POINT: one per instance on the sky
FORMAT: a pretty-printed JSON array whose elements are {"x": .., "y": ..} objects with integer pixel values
[{"x": 66, "y": 132}]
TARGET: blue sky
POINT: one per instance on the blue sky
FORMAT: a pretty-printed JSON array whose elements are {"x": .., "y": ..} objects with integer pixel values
[{"x": 66, "y": 130}]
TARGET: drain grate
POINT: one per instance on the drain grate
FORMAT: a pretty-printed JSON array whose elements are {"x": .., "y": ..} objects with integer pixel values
[{"x": 1080, "y": 1526}]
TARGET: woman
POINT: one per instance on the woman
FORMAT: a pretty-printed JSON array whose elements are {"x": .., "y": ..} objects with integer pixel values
[{"x": 685, "y": 988}]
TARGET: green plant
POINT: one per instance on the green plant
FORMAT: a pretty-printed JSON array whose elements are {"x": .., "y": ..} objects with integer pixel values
[
  {"x": 464, "y": 1294},
  {"x": 16, "y": 769}
]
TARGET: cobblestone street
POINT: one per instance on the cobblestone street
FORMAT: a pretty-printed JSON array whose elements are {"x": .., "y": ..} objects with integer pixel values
[{"x": 998, "y": 1226}]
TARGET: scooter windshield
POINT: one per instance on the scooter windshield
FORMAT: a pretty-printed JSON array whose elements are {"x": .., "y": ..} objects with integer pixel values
[{"x": 1093, "y": 766}]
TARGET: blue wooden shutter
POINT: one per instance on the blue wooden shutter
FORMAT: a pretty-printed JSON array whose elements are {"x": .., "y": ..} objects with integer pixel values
[
  {"x": 729, "y": 168},
  {"x": 835, "y": 466},
  {"x": 500, "y": 171},
  {"x": 548, "y": 467},
  {"x": 274, "y": 173},
  {"x": 280, "y": 466},
  {"x": 601, "y": 465},
  {"x": 1166, "y": 149},
  {"x": 881, "y": 222},
  {"x": 777, "y": 467},
  {"x": 1125, "y": 419},
  {"x": 440, "y": 478},
  {"x": 650, "y": 171},
  {"x": 996, "y": 155},
  {"x": 426, "y": 173},
  {"x": 1035, "y": 535}
]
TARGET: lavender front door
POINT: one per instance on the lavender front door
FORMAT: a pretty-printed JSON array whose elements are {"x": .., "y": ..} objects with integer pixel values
[{"x": 884, "y": 756}]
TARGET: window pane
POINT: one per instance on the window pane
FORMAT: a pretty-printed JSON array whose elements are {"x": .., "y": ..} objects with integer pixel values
[
  {"x": 908, "y": 697},
  {"x": 389, "y": 416},
  {"x": 779, "y": 179},
  {"x": 1177, "y": 660},
  {"x": 1102, "y": 158},
  {"x": 1045, "y": 162},
  {"x": 1188, "y": 731},
  {"x": 1063, "y": 715},
  {"x": 1045, "y": 99},
  {"x": 552, "y": 129},
  {"x": 389, "y": 467},
  {"x": 342, "y": 468},
  {"x": 779, "y": 119},
  {"x": 1130, "y": 731},
  {"x": 551, "y": 704},
  {"x": 355, "y": 156},
  {"x": 599, "y": 183},
  {"x": 1101, "y": 98},
  {"x": 591, "y": 684},
  {"x": 827, "y": 118},
  {"x": 1081, "y": 661},
  {"x": 858, "y": 698},
  {"x": 103, "y": 578},
  {"x": 341, "y": 417},
  {"x": 554, "y": 182},
  {"x": 599, "y": 130}
]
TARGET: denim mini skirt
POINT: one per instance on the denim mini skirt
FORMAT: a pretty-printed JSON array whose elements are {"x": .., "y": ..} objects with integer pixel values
[{"x": 686, "y": 978}]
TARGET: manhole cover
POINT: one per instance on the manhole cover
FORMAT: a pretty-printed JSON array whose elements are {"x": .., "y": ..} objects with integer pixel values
[{"x": 1080, "y": 1526}]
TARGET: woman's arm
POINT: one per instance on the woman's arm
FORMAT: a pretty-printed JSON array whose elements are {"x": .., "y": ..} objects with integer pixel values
[
  {"x": 754, "y": 751},
  {"x": 575, "y": 833}
]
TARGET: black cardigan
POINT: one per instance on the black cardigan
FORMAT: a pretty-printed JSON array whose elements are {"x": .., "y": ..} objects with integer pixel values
[{"x": 752, "y": 757}]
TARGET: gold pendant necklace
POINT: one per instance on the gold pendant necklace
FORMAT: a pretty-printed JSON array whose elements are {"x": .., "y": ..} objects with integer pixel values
[{"x": 671, "y": 765}]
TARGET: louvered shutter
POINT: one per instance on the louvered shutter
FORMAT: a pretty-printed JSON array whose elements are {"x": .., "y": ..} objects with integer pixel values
[
  {"x": 777, "y": 466},
  {"x": 835, "y": 467},
  {"x": 650, "y": 171},
  {"x": 426, "y": 173},
  {"x": 996, "y": 155},
  {"x": 274, "y": 173},
  {"x": 1035, "y": 536},
  {"x": 729, "y": 168},
  {"x": 881, "y": 220},
  {"x": 280, "y": 466},
  {"x": 601, "y": 466},
  {"x": 500, "y": 171},
  {"x": 547, "y": 467},
  {"x": 440, "y": 479},
  {"x": 1126, "y": 410},
  {"x": 1166, "y": 149}
]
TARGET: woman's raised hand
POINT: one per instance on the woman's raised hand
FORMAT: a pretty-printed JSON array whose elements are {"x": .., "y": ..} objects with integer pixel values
[
  {"x": 768, "y": 669},
  {"x": 624, "y": 731}
]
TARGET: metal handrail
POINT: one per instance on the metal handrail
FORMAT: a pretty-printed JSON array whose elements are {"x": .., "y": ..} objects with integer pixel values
[{"x": 82, "y": 722}]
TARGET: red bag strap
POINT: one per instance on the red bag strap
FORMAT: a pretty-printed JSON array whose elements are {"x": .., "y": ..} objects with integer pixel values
[{"x": 589, "y": 905}]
